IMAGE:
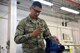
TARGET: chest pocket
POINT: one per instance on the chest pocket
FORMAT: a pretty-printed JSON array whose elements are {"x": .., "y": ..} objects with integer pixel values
[
  {"x": 42, "y": 27},
  {"x": 29, "y": 28}
]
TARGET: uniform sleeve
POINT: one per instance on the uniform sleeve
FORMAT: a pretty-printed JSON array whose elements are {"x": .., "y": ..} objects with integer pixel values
[
  {"x": 46, "y": 33},
  {"x": 20, "y": 36}
]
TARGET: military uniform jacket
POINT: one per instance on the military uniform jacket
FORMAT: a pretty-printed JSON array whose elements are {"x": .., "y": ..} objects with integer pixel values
[{"x": 22, "y": 35}]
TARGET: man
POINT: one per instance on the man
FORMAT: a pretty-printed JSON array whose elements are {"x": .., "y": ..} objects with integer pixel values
[{"x": 31, "y": 31}]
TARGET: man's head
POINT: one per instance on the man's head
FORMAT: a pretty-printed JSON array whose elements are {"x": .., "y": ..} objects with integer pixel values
[{"x": 35, "y": 9}]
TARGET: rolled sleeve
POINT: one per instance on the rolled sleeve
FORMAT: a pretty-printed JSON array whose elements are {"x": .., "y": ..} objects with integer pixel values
[
  {"x": 27, "y": 36},
  {"x": 20, "y": 35},
  {"x": 46, "y": 33}
]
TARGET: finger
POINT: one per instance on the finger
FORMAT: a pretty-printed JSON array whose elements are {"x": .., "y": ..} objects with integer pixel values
[{"x": 39, "y": 28}]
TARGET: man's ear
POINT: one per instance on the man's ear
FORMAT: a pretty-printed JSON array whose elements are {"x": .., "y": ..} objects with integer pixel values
[{"x": 30, "y": 8}]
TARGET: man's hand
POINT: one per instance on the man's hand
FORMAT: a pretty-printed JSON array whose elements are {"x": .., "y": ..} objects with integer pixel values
[{"x": 35, "y": 33}]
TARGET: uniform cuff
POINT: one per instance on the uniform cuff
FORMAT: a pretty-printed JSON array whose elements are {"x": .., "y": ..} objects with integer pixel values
[{"x": 27, "y": 36}]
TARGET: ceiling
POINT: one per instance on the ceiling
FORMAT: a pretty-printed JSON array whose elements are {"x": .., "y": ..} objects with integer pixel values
[
  {"x": 73, "y": 4},
  {"x": 55, "y": 9},
  {"x": 51, "y": 11}
]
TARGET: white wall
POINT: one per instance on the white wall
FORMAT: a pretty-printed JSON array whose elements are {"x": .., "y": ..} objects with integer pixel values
[
  {"x": 72, "y": 30},
  {"x": 3, "y": 34}
]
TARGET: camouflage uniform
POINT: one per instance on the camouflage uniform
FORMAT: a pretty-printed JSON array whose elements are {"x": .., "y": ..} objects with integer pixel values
[{"x": 31, "y": 44}]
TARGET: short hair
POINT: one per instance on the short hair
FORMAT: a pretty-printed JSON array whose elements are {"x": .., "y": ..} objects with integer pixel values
[{"x": 37, "y": 3}]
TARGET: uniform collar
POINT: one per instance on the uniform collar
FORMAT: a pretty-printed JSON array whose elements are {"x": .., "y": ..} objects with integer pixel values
[{"x": 30, "y": 19}]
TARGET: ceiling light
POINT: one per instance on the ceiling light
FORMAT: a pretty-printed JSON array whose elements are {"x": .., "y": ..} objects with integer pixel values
[
  {"x": 44, "y": 2},
  {"x": 69, "y": 10}
]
